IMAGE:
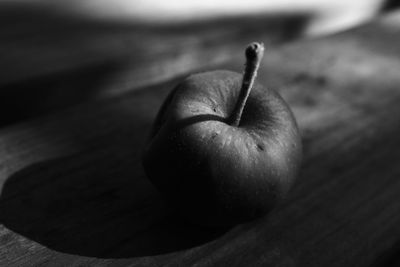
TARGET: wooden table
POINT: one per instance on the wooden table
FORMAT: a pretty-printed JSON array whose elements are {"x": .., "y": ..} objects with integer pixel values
[{"x": 77, "y": 105}]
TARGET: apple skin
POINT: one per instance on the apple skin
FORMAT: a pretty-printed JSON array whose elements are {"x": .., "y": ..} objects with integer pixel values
[{"x": 216, "y": 174}]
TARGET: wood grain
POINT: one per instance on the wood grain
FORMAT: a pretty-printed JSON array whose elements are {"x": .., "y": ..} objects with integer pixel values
[
  {"x": 51, "y": 60},
  {"x": 73, "y": 192}
]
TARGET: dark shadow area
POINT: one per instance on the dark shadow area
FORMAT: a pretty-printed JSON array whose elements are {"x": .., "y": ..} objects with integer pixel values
[
  {"x": 52, "y": 59},
  {"x": 390, "y": 5},
  {"x": 94, "y": 212},
  {"x": 389, "y": 258},
  {"x": 98, "y": 202},
  {"x": 28, "y": 99}
]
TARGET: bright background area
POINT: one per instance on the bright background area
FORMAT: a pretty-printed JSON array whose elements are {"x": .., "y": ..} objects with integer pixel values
[{"x": 329, "y": 15}]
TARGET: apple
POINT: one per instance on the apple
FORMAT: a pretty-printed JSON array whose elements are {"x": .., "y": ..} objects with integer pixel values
[{"x": 220, "y": 154}]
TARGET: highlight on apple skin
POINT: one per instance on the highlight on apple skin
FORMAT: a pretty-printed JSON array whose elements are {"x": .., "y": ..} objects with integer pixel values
[{"x": 224, "y": 149}]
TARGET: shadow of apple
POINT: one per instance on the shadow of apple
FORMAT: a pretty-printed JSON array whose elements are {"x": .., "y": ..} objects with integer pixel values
[{"x": 94, "y": 212}]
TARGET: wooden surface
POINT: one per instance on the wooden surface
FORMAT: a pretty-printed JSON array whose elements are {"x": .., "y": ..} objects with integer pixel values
[
  {"x": 73, "y": 192},
  {"x": 50, "y": 60}
]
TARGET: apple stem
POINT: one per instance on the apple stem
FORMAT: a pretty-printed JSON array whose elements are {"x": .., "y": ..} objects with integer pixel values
[{"x": 254, "y": 53}]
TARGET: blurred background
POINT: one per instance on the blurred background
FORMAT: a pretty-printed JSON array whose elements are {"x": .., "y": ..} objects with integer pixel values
[
  {"x": 58, "y": 53},
  {"x": 328, "y": 16}
]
